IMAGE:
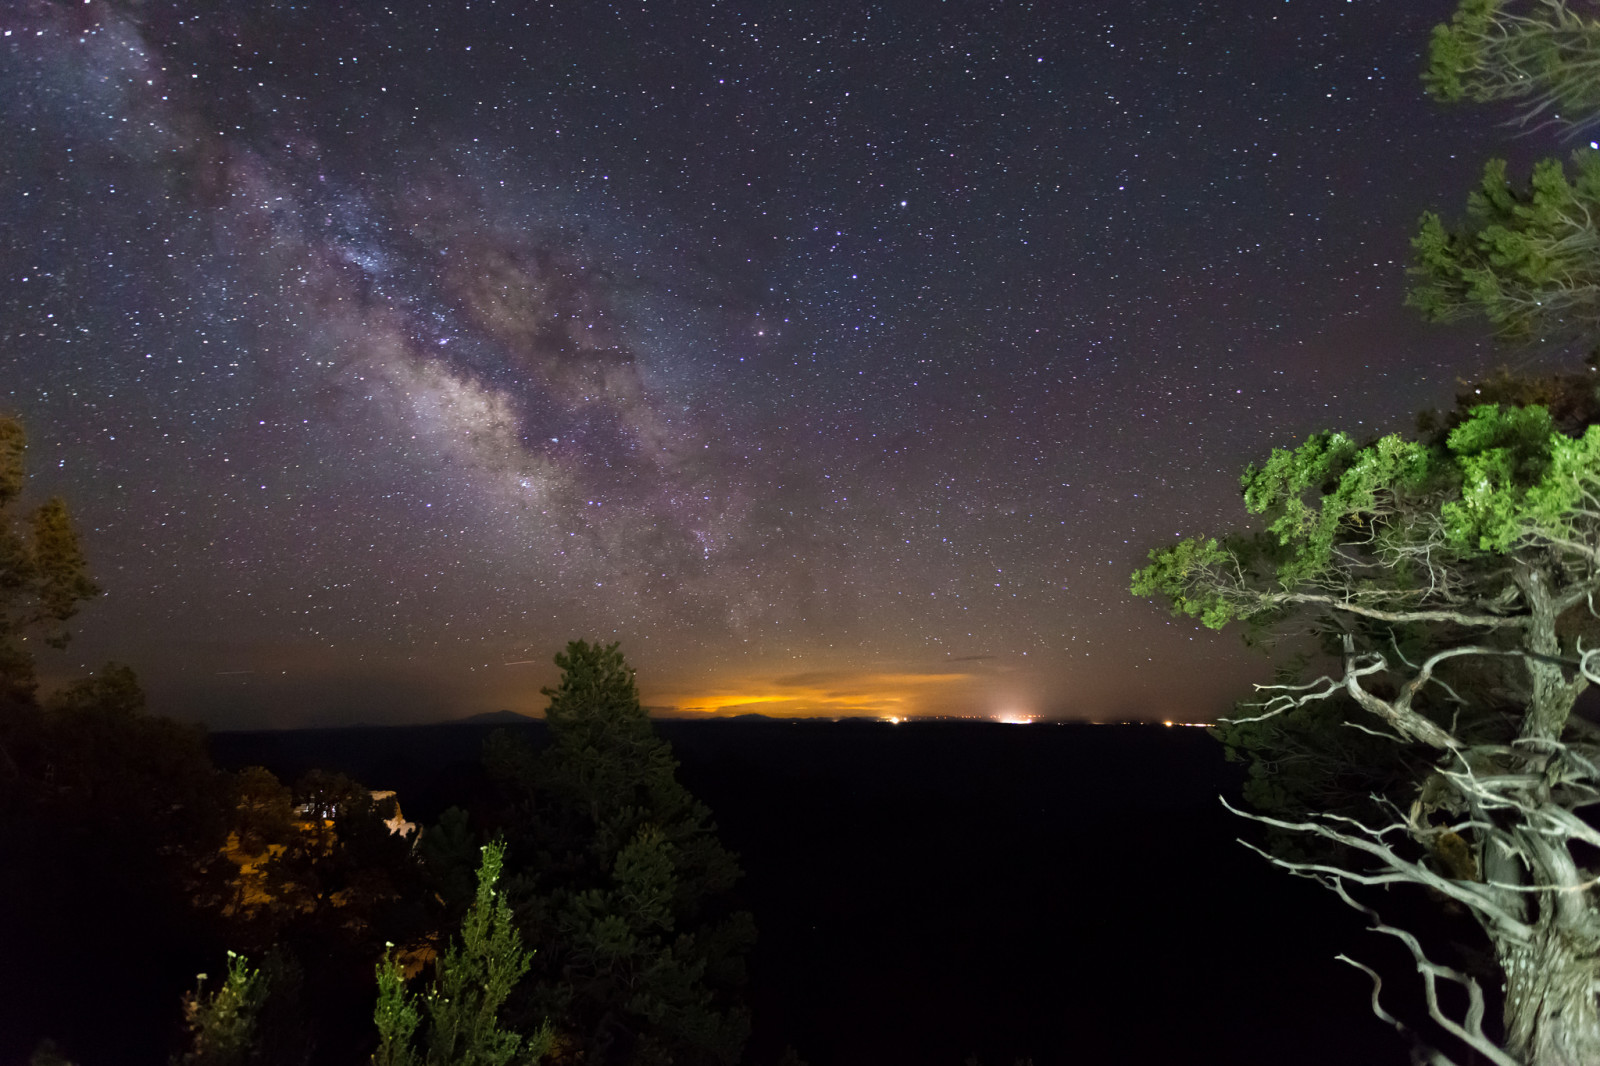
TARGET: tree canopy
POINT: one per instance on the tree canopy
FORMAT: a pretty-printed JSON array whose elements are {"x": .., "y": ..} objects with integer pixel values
[
  {"x": 625, "y": 889},
  {"x": 43, "y": 574},
  {"x": 471, "y": 983},
  {"x": 1453, "y": 580},
  {"x": 1542, "y": 54},
  {"x": 1445, "y": 583},
  {"x": 1528, "y": 255}
]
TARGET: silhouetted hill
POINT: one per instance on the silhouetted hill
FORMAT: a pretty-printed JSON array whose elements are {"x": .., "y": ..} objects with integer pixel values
[{"x": 494, "y": 718}]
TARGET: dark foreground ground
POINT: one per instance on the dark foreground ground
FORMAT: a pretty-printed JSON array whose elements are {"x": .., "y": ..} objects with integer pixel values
[{"x": 931, "y": 892}]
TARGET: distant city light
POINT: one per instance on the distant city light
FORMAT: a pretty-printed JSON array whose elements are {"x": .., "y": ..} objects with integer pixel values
[{"x": 1015, "y": 718}]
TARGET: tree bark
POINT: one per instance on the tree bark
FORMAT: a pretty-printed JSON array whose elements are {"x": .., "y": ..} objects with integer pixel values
[
  {"x": 1551, "y": 695},
  {"x": 1550, "y": 1011}
]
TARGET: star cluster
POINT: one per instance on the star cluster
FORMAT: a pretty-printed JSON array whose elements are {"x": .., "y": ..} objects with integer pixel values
[{"x": 832, "y": 357}]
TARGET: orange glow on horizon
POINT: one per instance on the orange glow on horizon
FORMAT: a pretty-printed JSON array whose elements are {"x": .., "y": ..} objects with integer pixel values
[{"x": 894, "y": 695}]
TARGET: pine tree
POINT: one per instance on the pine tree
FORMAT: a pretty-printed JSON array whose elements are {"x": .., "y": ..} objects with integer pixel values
[
  {"x": 223, "y": 1025},
  {"x": 627, "y": 890},
  {"x": 1527, "y": 257},
  {"x": 43, "y": 574},
  {"x": 1542, "y": 54},
  {"x": 472, "y": 980}
]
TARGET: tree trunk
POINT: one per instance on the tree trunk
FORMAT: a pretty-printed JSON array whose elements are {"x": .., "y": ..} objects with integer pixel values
[
  {"x": 1551, "y": 694},
  {"x": 1550, "y": 1012}
]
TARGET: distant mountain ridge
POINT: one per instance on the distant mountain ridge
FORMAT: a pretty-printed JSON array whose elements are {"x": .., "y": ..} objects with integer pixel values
[
  {"x": 513, "y": 717},
  {"x": 490, "y": 717}
]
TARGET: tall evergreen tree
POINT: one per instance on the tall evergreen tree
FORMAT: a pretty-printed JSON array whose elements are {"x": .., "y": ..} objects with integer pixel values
[
  {"x": 43, "y": 574},
  {"x": 626, "y": 891}
]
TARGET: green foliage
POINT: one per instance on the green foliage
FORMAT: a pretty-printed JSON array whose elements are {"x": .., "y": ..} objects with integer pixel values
[
  {"x": 447, "y": 851},
  {"x": 1541, "y": 52},
  {"x": 316, "y": 869},
  {"x": 395, "y": 1016},
  {"x": 252, "y": 1019},
  {"x": 1179, "y": 573},
  {"x": 1528, "y": 259},
  {"x": 1501, "y": 476},
  {"x": 1348, "y": 487},
  {"x": 1517, "y": 477},
  {"x": 472, "y": 980},
  {"x": 1455, "y": 50},
  {"x": 1401, "y": 528},
  {"x": 605, "y": 753},
  {"x": 1352, "y": 482},
  {"x": 222, "y": 1025},
  {"x": 43, "y": 574},
  {"x": 641, "y": 948}
]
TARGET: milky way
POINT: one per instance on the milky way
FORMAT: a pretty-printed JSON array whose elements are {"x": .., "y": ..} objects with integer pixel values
[{"x": 838, "y": 358}]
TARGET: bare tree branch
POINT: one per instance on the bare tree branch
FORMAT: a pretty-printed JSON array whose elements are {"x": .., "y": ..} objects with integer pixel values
[
  {"x": 1469, "y": 1032},
  {"x": 1460, "y": 618},
  {"x": 1420, "y": 1052},
  {"x": 1399, "y": 870}
]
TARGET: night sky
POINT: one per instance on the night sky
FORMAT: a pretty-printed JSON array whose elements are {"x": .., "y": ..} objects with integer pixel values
[{"x": 834, "y": 357}]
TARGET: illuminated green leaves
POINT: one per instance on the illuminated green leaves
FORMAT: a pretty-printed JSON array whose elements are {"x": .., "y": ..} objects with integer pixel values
[
  {"x": 1457, "y": 49},
  {"x": 1361, "y": 479},
  {"x": 1542, "y": 53},
  {"x": 1181, "y": 573},
  {"x": 1529, "y": 261},
  {"x": 1504, "y": 478},
  {"x": 222, "y": 1025},
  {"x": 471, "y": 982},
  {"x": 1518, "y": 478}
]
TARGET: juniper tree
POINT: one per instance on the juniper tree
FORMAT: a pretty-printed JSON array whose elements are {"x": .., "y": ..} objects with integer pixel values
[
  {"x": 1453, "y": 580},
  {"x": 1528, "y": 258}
]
